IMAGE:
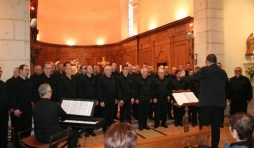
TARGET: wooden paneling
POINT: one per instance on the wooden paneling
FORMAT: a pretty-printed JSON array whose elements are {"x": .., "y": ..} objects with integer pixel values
[{"x": 166, "y": 44}]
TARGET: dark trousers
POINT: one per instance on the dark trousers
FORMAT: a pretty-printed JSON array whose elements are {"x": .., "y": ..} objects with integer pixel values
[
  {"x": 151, "y": 110},
  {"x": 239, "y": 105},
  {"x": 194, "y": 111},
  {"x": 3, "y": 126},
  {"x": 169, "y": 110},
  {"x": 160, "y": 110},
  {"x": 72, "y": 137},
  {"x": 178, "y": 113},
  {"x": 116, "y": 109},
  {"x": 22, "y": 123},
  {"x": 135, "y": 110},
  {"x": 143, "y": 111},
  {"x": 210, "y": 115},
  {"x": 125, "y": 109},
  {"x": 108, "y": 112}
]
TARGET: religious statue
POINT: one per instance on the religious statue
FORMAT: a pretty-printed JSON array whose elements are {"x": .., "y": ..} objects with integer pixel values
[
  {"x": 103, "y": 63},
  {"x": 250, "y": 45}
]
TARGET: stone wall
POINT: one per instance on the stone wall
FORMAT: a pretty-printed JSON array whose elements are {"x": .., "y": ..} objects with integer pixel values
[{"x": 14, "y": 35}]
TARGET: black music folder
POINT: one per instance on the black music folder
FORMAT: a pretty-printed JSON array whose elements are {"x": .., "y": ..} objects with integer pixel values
[{"x": 78, "y": 107}]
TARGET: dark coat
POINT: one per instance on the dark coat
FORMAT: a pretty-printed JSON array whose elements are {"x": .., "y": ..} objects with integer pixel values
[{"x": 213, "y": 81}]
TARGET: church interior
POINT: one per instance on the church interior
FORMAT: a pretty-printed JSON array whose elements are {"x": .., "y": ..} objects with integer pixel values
[{"x": 157, "y": 32}]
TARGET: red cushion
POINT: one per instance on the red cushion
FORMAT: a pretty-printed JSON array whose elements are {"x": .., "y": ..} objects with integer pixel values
[{"x": 32, "y": 141}]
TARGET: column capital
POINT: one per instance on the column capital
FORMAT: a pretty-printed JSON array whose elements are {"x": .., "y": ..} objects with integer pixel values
[{"x": 134, "y": 3}]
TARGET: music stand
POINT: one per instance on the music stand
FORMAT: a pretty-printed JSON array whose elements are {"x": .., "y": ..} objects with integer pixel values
[{"x": 186, "y": 109}]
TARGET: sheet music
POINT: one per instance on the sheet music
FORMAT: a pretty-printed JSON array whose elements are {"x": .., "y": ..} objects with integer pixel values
[
  {"x": 83, "y": 108},
  {"x": 191, "y": 97},
  {"x": 74, "y": 107},
  {"x": 65, "y": 105},
  {"x": 180, "y": 98}
]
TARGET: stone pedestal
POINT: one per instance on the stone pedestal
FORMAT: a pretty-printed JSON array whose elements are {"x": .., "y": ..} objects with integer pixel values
[
  {"x": 14, "y": 35},
  {"x": 208, "y": 29}
]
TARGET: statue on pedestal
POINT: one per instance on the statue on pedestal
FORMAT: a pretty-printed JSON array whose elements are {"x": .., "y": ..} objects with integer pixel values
[{"x": 250, "y": 45}]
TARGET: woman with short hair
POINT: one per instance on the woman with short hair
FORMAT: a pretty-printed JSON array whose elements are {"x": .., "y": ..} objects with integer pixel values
[{"x": 241, "y": 129}]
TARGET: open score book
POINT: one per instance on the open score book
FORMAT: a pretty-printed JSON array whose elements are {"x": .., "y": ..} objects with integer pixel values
[
  {"x": 185, "y": 98},
  {"x": 83, "y": 108}
]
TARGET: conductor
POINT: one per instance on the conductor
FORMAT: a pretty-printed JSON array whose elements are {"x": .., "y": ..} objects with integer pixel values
[{"x": 212, "y": 97}]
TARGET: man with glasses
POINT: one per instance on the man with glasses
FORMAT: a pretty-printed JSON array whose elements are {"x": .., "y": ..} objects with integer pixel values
[
  {"x": 46, "y": 116},
  {"x": 240, "y": 92},
  {"x": 107, "y": 96},
  {"x": 125, "y": 89},
  {"x": 48, "y": 78}
]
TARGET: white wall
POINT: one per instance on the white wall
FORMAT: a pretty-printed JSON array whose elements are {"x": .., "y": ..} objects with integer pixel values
[
  {"x": 238, "y": 24},
  {"x": 155, "y": 13},
  {"x": 14, "y": 35}
]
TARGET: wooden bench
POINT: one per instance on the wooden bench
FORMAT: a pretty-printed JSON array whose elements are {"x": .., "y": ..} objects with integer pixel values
[
  {"x": 180, "y": 140},
  {"x": 31, "y": 141}
]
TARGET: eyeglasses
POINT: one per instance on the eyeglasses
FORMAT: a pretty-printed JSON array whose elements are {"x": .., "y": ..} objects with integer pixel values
[{"x": 238, "y": 70}]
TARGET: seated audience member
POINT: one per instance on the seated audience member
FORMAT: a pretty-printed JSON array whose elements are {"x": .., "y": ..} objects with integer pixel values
[
  {"x": 120, "y": 135},
  {"x": 46, "y": 115},
  {"x": 241, "y": 129}
]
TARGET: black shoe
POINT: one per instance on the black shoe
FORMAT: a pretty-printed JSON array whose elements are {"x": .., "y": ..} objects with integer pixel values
[
  {"x": 87, "y": 134},
  {"x": 194, "y": 124},
  {"x": 140, "y": 128},
  {"x": 156, "y": 125},
  {"x": 164, "y": 125},
  {"x": 180, "y": 124},
  {"x": 221, "y": 126},
  {"x": 92, "y": 134},
  {"x": 176, "y": 124},
  {"x": 147, "y": 128}
]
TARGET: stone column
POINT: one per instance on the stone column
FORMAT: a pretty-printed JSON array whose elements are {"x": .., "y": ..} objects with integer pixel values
[
  {"x": 14, "y": 35},
  {"x": 208, "y": 29}
]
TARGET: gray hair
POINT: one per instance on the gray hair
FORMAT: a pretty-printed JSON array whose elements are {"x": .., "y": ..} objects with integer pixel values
[
  {"x": 46, "y": 63},
  {"x": 44, "y": 89}
]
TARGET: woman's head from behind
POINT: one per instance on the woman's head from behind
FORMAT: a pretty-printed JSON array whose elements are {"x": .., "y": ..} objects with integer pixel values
[
  {"x": 120, "y": 135},
  {"x": 241, "y": 126}
]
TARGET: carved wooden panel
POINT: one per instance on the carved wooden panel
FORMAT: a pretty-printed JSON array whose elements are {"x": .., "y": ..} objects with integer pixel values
[{"x": 166, "y": 44}]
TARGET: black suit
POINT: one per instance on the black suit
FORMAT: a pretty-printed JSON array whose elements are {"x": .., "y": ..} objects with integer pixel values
[
  {"x": 46, "y": 115},
  {"x": 21, "y": 94},
  {"x": 240, "y": 91},
  {"x": 4, "y": 106},
  {"x": 212, "y": 98},
  {"x": 52, "y": 81}
]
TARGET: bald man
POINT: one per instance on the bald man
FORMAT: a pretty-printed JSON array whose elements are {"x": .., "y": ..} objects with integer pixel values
[{"x": 107, "y": 96}]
